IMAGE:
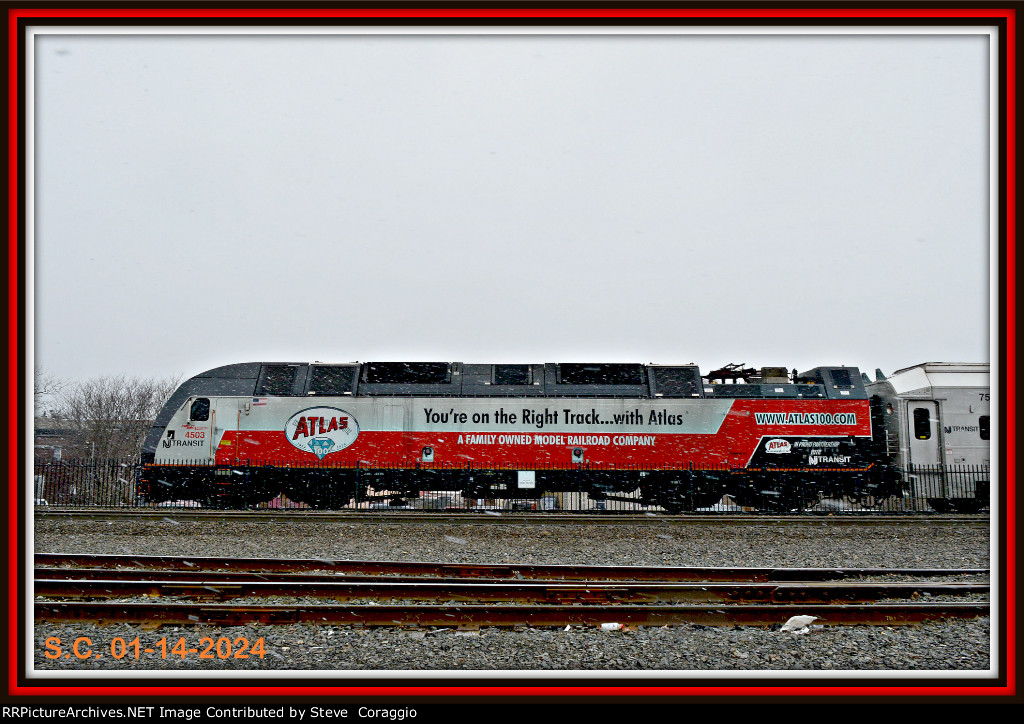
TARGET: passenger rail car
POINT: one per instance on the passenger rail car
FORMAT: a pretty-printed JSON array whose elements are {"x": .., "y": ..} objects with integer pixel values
[
  {"x": 325, "y": 434},
  {"x": 932, "y": 416}
]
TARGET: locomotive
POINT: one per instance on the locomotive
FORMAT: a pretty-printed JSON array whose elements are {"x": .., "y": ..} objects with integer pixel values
[{"x": 665, "y": 435}]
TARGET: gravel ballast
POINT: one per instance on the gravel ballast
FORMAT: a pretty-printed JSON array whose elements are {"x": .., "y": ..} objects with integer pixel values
[{"x": 952, "y": 646}]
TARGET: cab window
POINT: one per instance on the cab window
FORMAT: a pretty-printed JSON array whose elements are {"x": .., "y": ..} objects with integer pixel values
[{"x": 200, "y": 411}]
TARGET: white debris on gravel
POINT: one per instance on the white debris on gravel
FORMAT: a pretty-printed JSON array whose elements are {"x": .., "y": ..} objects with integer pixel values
[
  {"x": 958, "y": 645},
  {"x": 799, "y": 624}
]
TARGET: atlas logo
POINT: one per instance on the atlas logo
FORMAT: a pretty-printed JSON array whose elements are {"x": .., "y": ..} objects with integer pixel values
[
  {"x": 777, "y": 446},
  {"x": 321, "y": 430}
]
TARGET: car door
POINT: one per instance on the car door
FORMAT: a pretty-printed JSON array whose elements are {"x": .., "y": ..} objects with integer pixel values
[{"x": 923, "y": 417}]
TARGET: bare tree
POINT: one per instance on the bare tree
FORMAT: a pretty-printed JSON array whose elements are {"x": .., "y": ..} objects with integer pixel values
[
  {"x": 46, "y": 387},
  {"x": 112, "y": 414}
]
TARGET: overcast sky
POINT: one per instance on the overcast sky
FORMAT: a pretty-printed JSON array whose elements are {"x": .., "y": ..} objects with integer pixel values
[{"x": 768, "y": 200}]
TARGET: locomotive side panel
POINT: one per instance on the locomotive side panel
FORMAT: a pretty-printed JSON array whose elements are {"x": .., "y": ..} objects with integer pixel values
[
  {"x": 480, "y": 445},
  {"x": 507, "y": 432}
]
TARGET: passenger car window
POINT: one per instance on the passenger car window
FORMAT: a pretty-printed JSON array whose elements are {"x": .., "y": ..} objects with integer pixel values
[{"x": 922, "y": 424}]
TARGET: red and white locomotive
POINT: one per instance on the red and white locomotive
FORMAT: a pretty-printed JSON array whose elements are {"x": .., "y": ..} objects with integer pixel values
[{"x": 326, "y": 434}]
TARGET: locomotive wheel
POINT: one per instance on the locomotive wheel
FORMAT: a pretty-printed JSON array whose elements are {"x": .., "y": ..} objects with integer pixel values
[
  {"x": 941, "y": 505},
  {"x": 675, "y": 502},
  {"x": 254, "y": 500},
  {"x": 773, "y": 503},
  {"x": 215, "y": 502},
  {"x": 319, "y": 499},
  {"x": 777, "y": 501},
  {"x": 707, "y": 499},
  {"x": 803, "y": 499},
  {"x": 967, "y": 505},
  {"x": 685, "y": 492},
  {"x": 687, "y": 503},
  {"x": 673, "y": 506},
  {"x": 322, "y": 489},
  {"x": 260, "y": 493}
]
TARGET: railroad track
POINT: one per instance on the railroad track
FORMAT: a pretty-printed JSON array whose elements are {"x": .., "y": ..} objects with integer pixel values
[
  {"x": 184, "y": 515},
  {"x": 512, "y": 571},
  {"x": 184, "y": 591}
]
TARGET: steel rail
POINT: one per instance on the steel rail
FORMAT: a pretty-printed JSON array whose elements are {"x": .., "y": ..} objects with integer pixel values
[
  {"x": 480, "y": 592},
  {"x": 662, "y": 574},
  {"x": 234, "y": 577},
  {"x": 471, "y": 616},
  {"x": 183, "y": 515}
]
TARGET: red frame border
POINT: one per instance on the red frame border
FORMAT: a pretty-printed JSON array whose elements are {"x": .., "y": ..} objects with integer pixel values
[{"x": 15, "y": 205}]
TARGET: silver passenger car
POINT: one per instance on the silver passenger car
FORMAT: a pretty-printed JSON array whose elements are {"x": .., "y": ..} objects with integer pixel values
[{"x": 934, "y": 422}]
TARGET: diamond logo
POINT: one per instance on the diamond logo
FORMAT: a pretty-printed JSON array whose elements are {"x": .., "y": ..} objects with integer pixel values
[{"x": 321, "y": 446}]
